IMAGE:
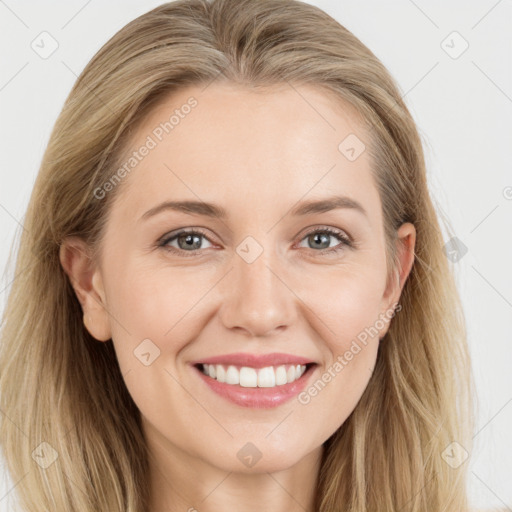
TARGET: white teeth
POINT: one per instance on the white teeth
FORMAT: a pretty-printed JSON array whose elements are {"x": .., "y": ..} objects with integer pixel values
[
  {"x": 290, "y": 375},
  {"x": 221, "y": 373},
  {"x": 281, "y": 377},
  {"x": 248, "y": 377},
  {"x": 232, "y": 376},
  {"x": 266, "y": 377}
]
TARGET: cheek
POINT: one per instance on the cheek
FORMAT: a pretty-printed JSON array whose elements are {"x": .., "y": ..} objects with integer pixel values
[
  {"x": 155, "y": 304},
  {"x": 344, "y": 309},
  {"x": 152, "y": 319},
  {"x": 344, "y": 303},
  {"x": 346, "y": 318},
  {"x": 354, "y": 313}
]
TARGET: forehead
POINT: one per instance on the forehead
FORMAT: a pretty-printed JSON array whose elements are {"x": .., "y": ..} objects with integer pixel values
[{"x": 226, "y": 142}]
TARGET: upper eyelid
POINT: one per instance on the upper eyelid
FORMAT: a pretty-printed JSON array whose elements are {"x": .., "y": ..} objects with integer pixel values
[{"x": 175, "y": 233}]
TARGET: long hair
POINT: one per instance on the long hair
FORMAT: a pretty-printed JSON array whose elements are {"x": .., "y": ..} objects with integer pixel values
[{"x": 63, "y": 396}]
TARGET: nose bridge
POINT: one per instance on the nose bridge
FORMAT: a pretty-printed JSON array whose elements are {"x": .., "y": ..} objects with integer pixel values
[{"x": 256, "y": 298}]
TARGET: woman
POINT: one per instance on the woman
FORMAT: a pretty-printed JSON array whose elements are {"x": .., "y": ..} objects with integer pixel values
[{"x": 177, "y": 340}]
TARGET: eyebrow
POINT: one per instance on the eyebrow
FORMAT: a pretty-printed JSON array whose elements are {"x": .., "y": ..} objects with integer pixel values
[{"x": 216, "y": 211}]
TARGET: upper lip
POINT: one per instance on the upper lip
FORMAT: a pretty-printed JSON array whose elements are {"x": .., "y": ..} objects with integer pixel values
[{"x": 254, "y": 360}]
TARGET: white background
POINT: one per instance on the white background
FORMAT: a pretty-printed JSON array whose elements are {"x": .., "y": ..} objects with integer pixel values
[{"x": 463, "y": 107}]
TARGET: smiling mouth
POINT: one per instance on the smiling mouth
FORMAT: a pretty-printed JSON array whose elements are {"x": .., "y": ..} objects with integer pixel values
[{"x": 248, "y": 377}]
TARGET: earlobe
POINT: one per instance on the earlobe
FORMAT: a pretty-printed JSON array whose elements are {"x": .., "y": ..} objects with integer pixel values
[{"x": 86, "y": 281}]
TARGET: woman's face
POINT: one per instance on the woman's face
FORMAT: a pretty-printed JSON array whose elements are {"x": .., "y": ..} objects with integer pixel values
[{"x": 273, "y": 275}]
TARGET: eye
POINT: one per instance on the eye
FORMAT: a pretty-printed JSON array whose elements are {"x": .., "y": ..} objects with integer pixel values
[
  {"x": 188, "y": 240},
  {"x": 319, "y": 239}
]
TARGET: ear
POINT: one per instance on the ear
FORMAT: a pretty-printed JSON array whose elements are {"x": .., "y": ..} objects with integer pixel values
[
  {"x": 406, "y": 241},
  {"x": 86, "y": 280}
]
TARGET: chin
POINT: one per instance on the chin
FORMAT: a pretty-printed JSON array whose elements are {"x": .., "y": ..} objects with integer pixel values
[
  {"x": 270, "y": 464},
  {"x": 254, "y": 458}
]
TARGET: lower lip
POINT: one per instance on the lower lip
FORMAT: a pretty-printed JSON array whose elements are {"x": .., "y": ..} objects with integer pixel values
[{"x": 257, "y": 398}]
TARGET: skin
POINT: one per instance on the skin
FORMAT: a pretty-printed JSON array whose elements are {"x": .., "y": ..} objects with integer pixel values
[{"x": 256, "y": 154}]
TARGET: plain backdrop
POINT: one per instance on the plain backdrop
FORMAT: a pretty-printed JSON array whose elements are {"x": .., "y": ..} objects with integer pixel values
[{"x": 453, "y": 62}]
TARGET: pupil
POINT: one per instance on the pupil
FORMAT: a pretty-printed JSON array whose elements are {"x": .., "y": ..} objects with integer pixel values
[
  {"x": 190, "y": 242},
  {"x": 317, "y": 236}
]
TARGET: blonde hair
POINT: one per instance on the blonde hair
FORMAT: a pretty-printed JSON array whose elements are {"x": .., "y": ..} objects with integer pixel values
[{"x": 60, "y": 386}]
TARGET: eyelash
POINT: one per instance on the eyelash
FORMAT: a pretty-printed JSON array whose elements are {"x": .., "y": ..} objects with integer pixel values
[{"x": 345, "y": 241}]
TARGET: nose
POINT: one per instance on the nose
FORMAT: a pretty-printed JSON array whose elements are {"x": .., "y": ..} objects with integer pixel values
[{"x": 256, "y": 297}]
